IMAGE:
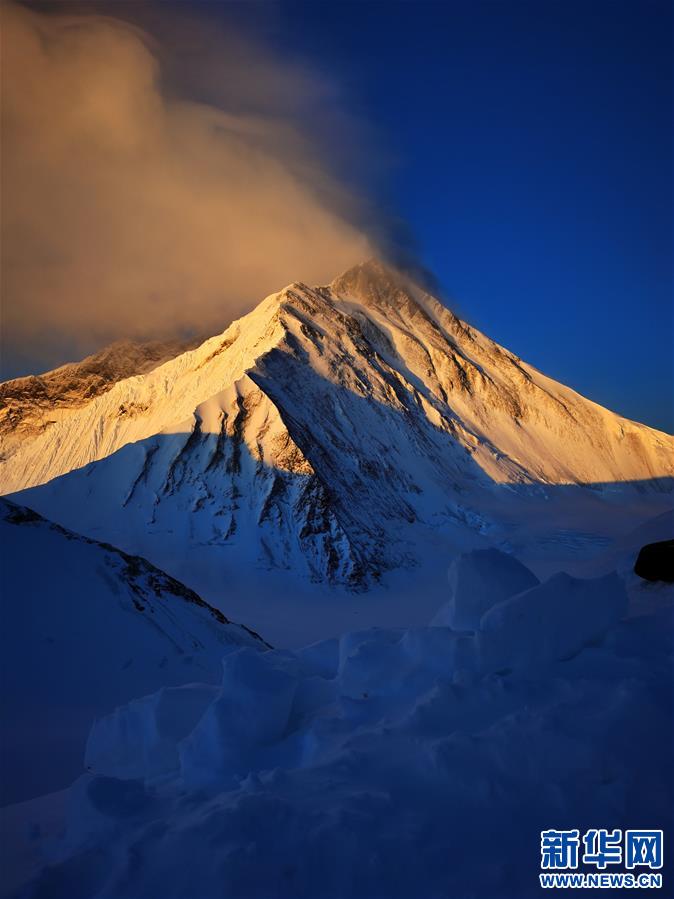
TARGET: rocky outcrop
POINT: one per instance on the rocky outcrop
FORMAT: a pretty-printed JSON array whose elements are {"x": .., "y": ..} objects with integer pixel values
[{"x": 655, "y": 562}]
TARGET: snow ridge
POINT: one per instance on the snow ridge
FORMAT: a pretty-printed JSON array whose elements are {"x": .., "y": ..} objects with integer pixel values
[
  {"x": 31, "y": 404},
  {"x": 85, "y": 627}
]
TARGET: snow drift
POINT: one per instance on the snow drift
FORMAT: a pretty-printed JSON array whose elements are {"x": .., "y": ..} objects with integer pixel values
[
  {"x": 387, "y": 763},
  {"x": 477, "y": 581}
]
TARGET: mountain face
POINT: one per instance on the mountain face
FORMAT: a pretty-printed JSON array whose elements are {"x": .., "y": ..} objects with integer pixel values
[
  {"x": 331, "y": 432},
  {"x": 86, "y": 627},
  {"x": 32, "y": 404}
]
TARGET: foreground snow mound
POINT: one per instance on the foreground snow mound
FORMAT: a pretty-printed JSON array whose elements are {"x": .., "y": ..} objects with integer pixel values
[
  {"x": 141, "y": 739},
  {"x": 551, "y": 621},
  {"x": 382, "y": 764},
  {"x": 249, "y": 715},
  {"x": 477, "y": 581},
  {"x": 84, "y": 628}
]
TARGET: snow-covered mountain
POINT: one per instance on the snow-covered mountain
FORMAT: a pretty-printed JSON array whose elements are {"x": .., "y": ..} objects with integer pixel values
[
  {"x": 333, "y": 432},
  {"x": 31, "y": 404},
  {"x": 357, "y": 435},
  {"x": 86, "y": 627}
]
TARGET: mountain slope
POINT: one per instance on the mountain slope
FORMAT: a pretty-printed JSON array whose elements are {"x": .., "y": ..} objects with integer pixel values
[
  {"x": 85, "y": 628},
  {"x": 323, "y": 432},
  {"x": 31, "y": 404}
]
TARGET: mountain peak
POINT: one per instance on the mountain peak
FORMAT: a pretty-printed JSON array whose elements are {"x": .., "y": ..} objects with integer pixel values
[
  {"x": 375, "y": 282},
  {"x": 352, "y": 418}
]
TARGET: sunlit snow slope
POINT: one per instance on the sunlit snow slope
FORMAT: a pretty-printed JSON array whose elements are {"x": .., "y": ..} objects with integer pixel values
[
  {"x": 32, "y": 404},
  {"x": 322, "y": 433}
]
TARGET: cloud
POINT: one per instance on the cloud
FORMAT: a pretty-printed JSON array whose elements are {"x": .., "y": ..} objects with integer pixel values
[{"x": 146, "y": 192}]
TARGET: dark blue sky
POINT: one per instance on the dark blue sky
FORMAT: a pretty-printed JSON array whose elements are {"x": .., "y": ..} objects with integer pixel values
[{"x": 528, "y": 147}]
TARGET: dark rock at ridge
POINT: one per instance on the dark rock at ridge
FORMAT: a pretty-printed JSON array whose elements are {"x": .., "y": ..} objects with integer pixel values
[{"x": 655, "y": 562}]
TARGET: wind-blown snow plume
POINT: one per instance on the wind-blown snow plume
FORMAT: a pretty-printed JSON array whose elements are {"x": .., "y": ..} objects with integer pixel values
[{"x": 130, "y": 210}]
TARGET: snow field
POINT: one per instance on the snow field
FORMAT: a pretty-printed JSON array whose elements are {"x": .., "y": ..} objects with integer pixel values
[{"x": 387, "y": 762}]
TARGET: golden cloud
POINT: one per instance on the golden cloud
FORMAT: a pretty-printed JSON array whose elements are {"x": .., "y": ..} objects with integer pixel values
[{"x": 129, "y": 212}]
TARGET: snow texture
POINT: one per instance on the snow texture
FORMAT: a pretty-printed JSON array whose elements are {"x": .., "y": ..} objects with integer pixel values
[
  {"x": 85, "y": 628},
  {"x": 29, "y": 405},
  {"x": 552, "y": 621},
  {"x": 478, "y": 580},
  {"x": 388, "y": 763}
]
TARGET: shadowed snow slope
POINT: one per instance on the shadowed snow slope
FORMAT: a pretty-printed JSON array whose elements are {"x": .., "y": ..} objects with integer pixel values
[
  {"x": 326, "y": 433},
  {"x": 84, "y": 628},
  {"x": 387, "y": 764},
  {"x": 477, "y": 581}
]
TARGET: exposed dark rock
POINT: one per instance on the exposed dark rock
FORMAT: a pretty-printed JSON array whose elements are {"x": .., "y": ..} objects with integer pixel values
[{"x": 655, "y": 562}]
